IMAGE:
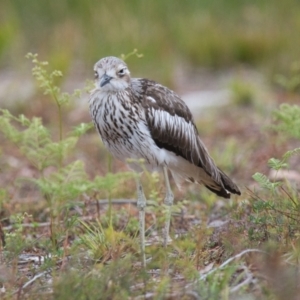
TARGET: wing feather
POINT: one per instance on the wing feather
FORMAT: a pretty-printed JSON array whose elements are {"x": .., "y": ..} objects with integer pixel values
[{"x": 172, "y": 127}]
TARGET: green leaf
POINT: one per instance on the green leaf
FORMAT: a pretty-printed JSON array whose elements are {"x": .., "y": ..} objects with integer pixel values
[
  {"x": 264, "y": 182},
  {"x": 290, "y": 153},
  {"x": 82, "y": 128},
  {"x": 288, "y": 117},
  {"x": 276, "y": 164}
]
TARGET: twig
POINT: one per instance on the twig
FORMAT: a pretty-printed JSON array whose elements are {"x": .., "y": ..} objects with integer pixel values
[
  {"x": 107, "y": 201},
  {"x": 247, "y": 280},
  {"x": 33, "y": 279},
  {"x": 101, "y": 202},
  {"x": 29, "y": 282},
  {"x": 146, "y": 296},
  {"x": 202, "y": 277},
  {"x": 291, "y": 198},
  {"x": 28, "y": 225},
  {"x": 117, "y": 201},
  {"x": 192, "y": 294},
  {"x": 2, "y": 236}
]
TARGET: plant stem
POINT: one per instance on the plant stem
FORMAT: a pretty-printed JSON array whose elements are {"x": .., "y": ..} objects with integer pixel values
[
  {"x": 60, "y": 125},
  {"x": 109, "y": 194}
]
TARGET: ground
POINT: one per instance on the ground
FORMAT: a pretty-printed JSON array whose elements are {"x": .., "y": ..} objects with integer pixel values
[{"x": 68, "y": 234}]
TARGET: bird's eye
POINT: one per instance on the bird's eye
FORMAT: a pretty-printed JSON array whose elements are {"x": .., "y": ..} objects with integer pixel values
[
  {"x": 122, "y": 72},
  {"x": 96, "y": 75}
]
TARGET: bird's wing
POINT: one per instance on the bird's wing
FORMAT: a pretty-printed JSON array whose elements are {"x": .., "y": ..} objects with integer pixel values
[{"x": 171, "y": 125}]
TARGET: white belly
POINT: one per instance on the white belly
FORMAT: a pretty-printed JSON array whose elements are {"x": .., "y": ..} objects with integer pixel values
[{"x": 124, "y": 132}]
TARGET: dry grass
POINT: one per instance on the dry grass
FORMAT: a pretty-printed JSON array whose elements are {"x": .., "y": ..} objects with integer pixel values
[{"x": 80, "y": 237}]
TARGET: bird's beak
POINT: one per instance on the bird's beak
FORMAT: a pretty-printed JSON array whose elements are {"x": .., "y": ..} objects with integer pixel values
[{"x": 104, "y": 80}]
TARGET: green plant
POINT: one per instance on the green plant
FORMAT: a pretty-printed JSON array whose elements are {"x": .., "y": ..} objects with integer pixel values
[
  {"x": 243, "y": 92},
  {"x": 287, "y": 119},
  {"x": 105, "y": 244},
  {"x": 276, "y": 213},
  {"x": 15, "y": 242},
  {"x": 107, "y": 281},
  {"x": 290, "y": 82},
  {"x": 62, "y": 239},
  {"x": 61, "y": 182}
]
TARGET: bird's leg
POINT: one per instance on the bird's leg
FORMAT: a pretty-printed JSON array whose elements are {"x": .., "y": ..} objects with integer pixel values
[
  {"x": 169, "y": 202},
  {"x": 141, "y": 205}
]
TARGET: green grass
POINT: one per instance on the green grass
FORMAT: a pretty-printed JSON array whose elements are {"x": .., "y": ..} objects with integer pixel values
[
  {"x": 53, "y": 211},
  {"x": 203, "y": 33}
]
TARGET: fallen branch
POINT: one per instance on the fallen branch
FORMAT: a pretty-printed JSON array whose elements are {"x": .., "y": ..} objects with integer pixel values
[
  {"x": 204, "y": 276},
  {"x": 249, "y": 278},
  {"x": 33, "y": 279}
]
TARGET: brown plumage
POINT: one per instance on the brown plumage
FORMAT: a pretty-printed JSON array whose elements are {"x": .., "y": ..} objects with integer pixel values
[
  {"x": 141, "y": 119},
  {"x": 175, "y": 138}
]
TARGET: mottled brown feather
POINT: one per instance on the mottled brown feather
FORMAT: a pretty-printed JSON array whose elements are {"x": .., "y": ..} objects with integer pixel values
[{"x": 190, "y": 147}]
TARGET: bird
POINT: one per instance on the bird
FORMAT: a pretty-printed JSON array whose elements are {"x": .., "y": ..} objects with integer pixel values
[{"x": 138, "y": 118}]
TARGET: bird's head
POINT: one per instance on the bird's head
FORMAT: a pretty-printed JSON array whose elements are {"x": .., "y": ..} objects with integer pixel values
[{"x": 111, "y": 74}]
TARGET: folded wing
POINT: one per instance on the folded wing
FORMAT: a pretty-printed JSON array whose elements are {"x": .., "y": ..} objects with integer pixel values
[{"x": 172, "y": 127}]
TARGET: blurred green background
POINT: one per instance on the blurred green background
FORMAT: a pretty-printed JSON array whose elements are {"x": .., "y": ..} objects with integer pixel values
[{"x": 217, "y": 34}]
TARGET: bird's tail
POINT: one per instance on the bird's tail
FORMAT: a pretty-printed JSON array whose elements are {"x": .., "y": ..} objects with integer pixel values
[
  {"x": 229, "y": 184},
  {"x": 224, "y": 187},
  {"x": 221, "y": 185}
]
